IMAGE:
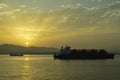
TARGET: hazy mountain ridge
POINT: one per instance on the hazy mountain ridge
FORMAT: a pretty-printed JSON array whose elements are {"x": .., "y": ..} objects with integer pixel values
[{"x": 9, "y": 48}]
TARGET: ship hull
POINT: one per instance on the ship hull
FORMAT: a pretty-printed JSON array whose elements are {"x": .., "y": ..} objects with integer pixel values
[{"x": 107, "y": 56}]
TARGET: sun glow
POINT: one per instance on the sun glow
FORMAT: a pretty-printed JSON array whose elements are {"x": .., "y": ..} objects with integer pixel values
[
  {"x": 27, "y": 43},
  {"x": 27, "y": 59}
]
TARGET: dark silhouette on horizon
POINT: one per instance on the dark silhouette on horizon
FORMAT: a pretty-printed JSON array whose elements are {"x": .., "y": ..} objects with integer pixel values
[
  {"x": 68, "y": 53},
  {"x": 9, "y": 49}
]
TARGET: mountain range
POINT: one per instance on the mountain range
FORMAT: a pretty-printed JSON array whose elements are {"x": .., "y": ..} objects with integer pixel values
[{"x": 9, "y": 48}]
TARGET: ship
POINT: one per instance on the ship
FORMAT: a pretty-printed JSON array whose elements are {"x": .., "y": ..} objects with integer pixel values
[
  {"x": 16, "y": 54},
  {"x": 68, "y": 53}
]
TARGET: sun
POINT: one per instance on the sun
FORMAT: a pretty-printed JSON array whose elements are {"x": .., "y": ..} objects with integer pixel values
[{"x": 27, "y": 43}]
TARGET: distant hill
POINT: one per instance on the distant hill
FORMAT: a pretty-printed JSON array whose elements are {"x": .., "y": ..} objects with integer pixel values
[{"x": 9, "y": 48}]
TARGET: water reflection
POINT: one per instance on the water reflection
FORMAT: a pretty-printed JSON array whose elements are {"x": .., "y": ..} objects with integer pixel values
[
  {"x": 26, "y": 69},
  {"x": 27, "y": 59},
  {"x": 44, "y": 67}
]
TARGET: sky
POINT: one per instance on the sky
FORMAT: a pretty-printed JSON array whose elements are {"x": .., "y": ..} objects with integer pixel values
[{"x": 53, "y": 23}]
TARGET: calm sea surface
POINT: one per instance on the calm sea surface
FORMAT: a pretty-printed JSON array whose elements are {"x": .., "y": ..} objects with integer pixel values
[{"x": 44, "y": 67}]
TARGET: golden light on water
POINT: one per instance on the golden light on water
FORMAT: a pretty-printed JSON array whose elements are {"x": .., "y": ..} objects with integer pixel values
[{"x": 27, "y": 59}]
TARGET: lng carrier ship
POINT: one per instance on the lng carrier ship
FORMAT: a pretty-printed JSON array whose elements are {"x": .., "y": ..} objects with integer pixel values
[{"x": 68, "y": 53}]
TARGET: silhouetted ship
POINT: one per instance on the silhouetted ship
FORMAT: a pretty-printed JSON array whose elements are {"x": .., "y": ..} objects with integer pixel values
[
  {"x": 16, "y": 54},
  {"x": 67, "y": 53}
]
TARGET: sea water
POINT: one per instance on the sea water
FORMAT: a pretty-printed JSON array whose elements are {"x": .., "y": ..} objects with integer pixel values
[{"x": 44, "y": 67}]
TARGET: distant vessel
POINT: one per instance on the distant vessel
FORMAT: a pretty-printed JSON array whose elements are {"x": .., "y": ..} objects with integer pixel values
[
  {"x": 16, "y": 54},
  {"x": 67, "y": 53}
]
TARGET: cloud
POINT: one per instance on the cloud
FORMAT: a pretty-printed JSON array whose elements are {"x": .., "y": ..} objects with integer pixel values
[
  {"x": 70, "y": 23},
  {"x": 97, "y": 0},
  {"x": 2, "y": 5},
  {"x": 23, "y": 6},
  {"x": 109, "y": 14},
  {"x": 11, "y": 12},
  {"x": 72, "y": 6},
  {"x": 6, "y": 13},
  {"x": 71, "y": 16}
]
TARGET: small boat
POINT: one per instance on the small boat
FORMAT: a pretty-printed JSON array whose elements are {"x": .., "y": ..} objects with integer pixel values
[
  {"x": 67, "y": 53},
  {"x": 16, "y": 54}
]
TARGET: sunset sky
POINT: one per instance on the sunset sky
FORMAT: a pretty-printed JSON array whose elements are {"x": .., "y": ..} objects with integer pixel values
[{"x": 53, "y": 23}]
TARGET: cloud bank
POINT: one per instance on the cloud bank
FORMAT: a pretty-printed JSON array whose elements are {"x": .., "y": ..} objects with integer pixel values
[{"x": 76, "y": 24}]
